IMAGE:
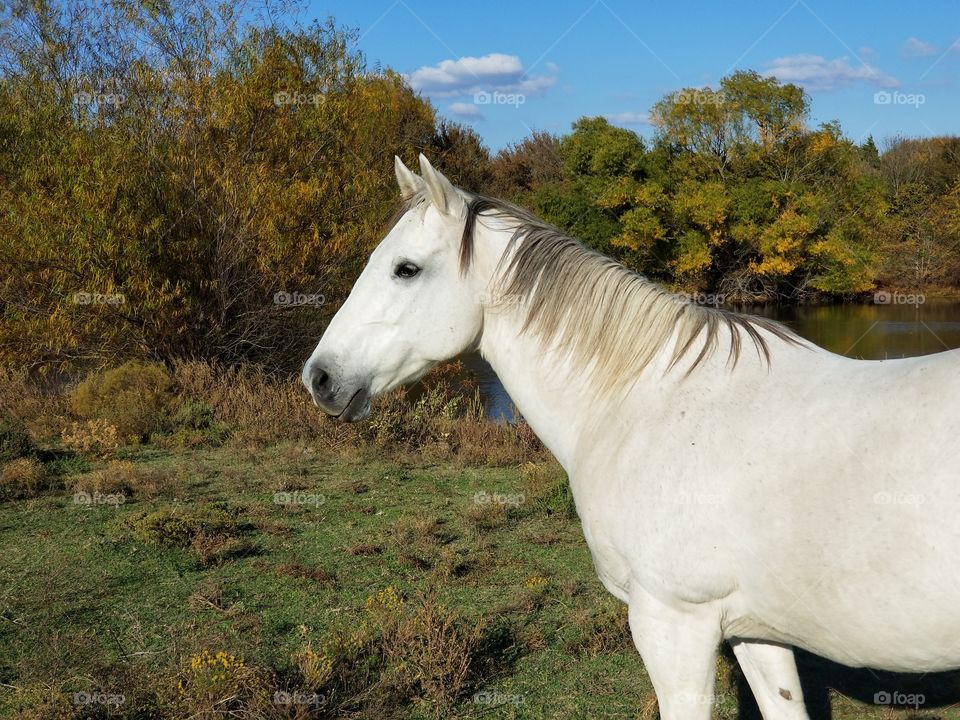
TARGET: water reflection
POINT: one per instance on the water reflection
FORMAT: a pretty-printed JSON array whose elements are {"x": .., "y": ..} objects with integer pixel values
[{"x": 873, "y": 332}]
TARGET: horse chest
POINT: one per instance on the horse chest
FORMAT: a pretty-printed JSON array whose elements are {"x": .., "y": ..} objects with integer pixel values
[{"x": 633, "y": 545}]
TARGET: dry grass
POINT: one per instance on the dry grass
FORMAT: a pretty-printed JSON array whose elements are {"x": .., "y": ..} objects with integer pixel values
[
  {"x": 318, "y": 575},
  {"x": 206, "y": 404},
  {"x": 482, "y": 518},
  {"x": 97, "y": 437},
  {"x": 21, "y": 478},
  {"x": 44, "y": 410},
  {"x": 605, "y": 631},
  {"x": 126, "y": 478},
  {"x": 364, "y": 550},
  {"x": 260, "y": 409}
]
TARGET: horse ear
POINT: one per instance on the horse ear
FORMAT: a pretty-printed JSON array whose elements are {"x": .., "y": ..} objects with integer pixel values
[
  {"x": 444, "y": 195},
  {"x": 410, "y": 183}
]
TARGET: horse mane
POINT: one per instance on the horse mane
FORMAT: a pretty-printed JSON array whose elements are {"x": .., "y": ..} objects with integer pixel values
[{"x": 607, "y": 317}]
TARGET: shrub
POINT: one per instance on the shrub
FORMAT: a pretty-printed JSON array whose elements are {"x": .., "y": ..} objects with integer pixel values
[
  {"x": 134, "y": 397},
  {"x": 315, "y": 669},
  {"x": 195, "y": 425},
  {"x": 93, "y": 437},
  {"x": 14, "y": 439},
  {"x": 21, "y": 478},
  {"x": 212, "y": 534},
  {"x": 222, "y": 685}
]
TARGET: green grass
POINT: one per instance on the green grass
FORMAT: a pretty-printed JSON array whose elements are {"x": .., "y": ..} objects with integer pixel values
[{"x": 90, "y": 603}]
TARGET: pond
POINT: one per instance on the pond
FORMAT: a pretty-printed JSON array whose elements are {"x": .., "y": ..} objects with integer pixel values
[{"x": 869, "y": 332}]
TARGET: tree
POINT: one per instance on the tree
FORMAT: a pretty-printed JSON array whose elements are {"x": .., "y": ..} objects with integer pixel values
[
  {"x": 768, "y": 109},
  {"x": 524, "y": 167},
  {"x": 233, "y": 163}
]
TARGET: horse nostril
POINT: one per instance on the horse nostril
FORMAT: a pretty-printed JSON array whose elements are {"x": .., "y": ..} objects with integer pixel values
[{"x": 319, "y": 380}]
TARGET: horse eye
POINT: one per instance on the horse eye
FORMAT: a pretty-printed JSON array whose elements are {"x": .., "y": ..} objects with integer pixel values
[{"x": 406, "y": 270}]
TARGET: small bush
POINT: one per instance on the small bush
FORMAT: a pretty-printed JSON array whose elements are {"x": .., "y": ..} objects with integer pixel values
[
  {"x": 222, "y": 685},
  {"x": 97, "y": 438},
  {"x": 315, "y": 669},
  {"x": 194, "y": 425},
  {"x": 432, "y": 653},
  {"x": 14, "y": 439},
  {"x": 212, "y": 534},
  {"x": 135, "y": 398},
  {"x": 21, "y": 478}
]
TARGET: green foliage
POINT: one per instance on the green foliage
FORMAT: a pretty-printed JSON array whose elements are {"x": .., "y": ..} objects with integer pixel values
[
  {"x": 135, "y": 398},
  {"x": 598, "y": 149}
]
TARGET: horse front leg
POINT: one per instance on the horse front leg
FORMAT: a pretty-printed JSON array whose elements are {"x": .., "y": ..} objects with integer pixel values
[
  {"x": 678, "y": 645},
  {"x": 771, "y": 672}
]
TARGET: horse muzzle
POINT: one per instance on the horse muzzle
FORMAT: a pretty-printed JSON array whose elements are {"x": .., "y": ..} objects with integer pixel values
[{"x": 347, "y": 401}]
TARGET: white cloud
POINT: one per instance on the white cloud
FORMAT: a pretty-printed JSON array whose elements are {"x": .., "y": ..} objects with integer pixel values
[
  {"x": 466, "y": 110},
  {"x": 495, "y": 72},
  {"x": 914, "y": 47},
  {"x": 629, "y": 118},
  {"x": 816, "y": 73}
]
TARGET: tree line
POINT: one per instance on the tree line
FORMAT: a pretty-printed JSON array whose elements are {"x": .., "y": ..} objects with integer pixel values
[{"x": 183, "y": 179}]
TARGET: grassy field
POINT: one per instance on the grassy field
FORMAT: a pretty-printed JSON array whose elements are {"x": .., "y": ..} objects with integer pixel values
[{"x": 293, "y": 579}]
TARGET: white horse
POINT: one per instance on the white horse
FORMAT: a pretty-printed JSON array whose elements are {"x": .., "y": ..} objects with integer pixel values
[{"x": 734, "y": 483}]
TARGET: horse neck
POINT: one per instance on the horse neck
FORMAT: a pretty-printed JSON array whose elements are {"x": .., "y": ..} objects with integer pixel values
[
  {"x": 557, "y": 398},
  {"x": 562, "y": 401}
]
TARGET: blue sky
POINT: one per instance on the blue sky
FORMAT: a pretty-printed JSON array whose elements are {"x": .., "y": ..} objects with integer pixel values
[{"x": 505, "y": 68}]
